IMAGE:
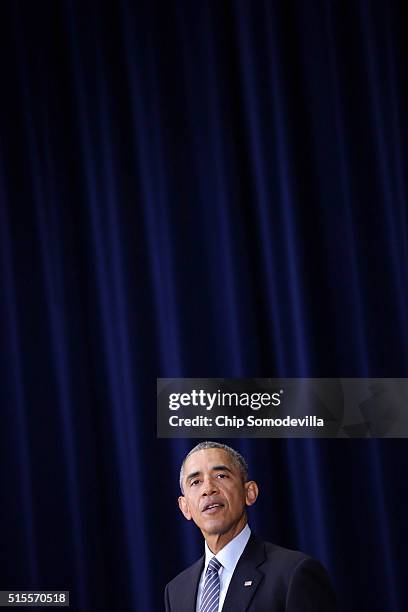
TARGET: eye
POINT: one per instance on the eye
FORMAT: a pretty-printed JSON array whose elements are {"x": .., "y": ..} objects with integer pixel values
[
  {"x": 194, "y": 482},
  {"x": 222, "y": 476}
]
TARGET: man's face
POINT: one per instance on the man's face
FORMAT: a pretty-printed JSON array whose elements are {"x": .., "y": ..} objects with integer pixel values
[{"x": 214, "y": 494}]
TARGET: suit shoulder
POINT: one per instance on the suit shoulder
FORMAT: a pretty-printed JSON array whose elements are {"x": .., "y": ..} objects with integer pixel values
[
  {"x": 288, "y": 561},
  {"x": 287, "y": 556},
  {"x": 187, "y": 574},
  {"x": 292, "y": 562}
]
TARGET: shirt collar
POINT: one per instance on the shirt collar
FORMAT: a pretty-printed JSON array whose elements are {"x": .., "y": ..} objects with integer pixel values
[{"x": 230, "y": 554}]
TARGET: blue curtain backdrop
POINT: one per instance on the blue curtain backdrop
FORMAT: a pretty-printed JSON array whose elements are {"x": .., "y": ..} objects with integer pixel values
[{"x": 196, "y": 189}]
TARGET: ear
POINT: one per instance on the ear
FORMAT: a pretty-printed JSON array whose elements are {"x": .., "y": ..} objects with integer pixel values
[
  {"x": 183, "y": 505},
  {"x": 251, "y": 492}
]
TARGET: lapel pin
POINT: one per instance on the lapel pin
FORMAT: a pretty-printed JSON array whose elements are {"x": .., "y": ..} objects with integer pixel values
[{"x": 248, "y": 583}]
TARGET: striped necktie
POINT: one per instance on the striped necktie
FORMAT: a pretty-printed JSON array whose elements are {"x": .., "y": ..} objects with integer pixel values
[{"x": 211, "y": 591}]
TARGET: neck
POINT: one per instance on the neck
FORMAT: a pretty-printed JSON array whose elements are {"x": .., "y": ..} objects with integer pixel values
[{"x": 217, "y": 541}]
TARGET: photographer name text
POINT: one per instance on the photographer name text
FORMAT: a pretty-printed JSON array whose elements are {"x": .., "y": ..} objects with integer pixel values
[{"x": 250, "y": 421}]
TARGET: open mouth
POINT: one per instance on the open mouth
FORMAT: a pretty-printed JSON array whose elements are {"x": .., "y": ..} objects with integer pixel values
[{"x": 212, "y": 508}]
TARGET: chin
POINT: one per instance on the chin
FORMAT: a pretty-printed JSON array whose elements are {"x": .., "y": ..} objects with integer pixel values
[{"x": 217, "y": 528}]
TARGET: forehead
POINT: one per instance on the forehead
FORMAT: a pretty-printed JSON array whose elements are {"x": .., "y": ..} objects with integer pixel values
[{"x": 207, "y": 459}]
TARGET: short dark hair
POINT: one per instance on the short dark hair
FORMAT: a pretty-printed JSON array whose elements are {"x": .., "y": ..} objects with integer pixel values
[{"x": 236, "y": 457}]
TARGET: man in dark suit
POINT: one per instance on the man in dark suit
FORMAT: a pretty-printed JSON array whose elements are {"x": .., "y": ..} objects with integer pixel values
[{"x": 239, "y": 572}]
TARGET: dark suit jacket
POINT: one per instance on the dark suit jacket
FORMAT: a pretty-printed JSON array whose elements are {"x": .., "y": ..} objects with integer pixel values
[{"x": 282, "y": 580}]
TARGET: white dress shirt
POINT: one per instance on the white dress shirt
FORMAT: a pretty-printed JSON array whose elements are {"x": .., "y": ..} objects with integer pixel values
[{"x": 228, "y": 557}]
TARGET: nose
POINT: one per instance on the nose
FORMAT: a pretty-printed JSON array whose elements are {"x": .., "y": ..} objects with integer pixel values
[{"x": 209, "y": 486}]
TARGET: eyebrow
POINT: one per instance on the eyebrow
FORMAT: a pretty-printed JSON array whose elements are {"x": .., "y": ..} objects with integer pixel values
[
  {"x": 215, "y": 468},
  {"x": 221, "y": 468}
]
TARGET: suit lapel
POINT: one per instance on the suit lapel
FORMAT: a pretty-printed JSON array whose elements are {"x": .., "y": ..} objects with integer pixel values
[
  {"x": 239, "y": 594},
  {"x": 188, "y": 597}
]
